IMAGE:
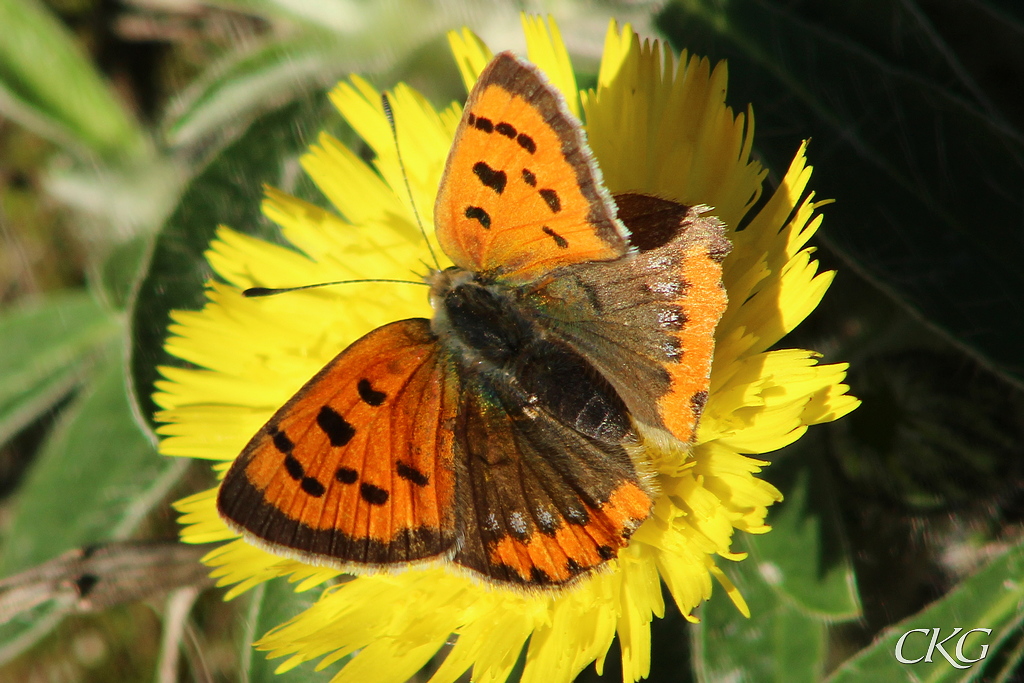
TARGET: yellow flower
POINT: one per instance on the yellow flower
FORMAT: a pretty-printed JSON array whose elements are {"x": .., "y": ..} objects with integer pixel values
[{"x": 657, "y": 126}]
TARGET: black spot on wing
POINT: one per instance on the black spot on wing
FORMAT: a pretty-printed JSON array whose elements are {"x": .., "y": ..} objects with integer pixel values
[
  {"x": 492, "y": 178},
  {"x": 337, "y": 428},
  {"x": 590, "y": 291},
  {"x": 606, "y": 552},
  {"x": 559, "y": 240},
  {"x": 313, "y": 487},
  {"x": 529, "y": 178},
  {"x": 374, "y": 495},
  {"x": 294, "y": 468},
  {"x": 481, "y": 123},
  {"x": 410, "y": 473},
  {"x": 526, "y": 142},
  {"x": 506, "y": 129},
  {"x": 346, "y": 475},
  {"x": 480, "y": 215},
  {"x": 551, "y": 199},
  {"x": 697, "y": 403},
  {"x": 368, "y": 394},
  {"x": 281, "y": 441}
]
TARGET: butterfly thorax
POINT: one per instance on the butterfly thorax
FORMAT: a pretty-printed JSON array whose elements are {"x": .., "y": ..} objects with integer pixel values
[{"x": 489, "y": 333}]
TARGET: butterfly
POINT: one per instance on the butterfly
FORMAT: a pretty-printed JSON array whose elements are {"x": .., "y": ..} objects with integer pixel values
[{"x": 506, "y": 435}]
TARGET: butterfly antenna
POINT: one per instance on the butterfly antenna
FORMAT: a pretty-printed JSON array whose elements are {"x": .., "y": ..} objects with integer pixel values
[
  {"x": 268, "y": 291},
  {"x": 405, "y": 176}
]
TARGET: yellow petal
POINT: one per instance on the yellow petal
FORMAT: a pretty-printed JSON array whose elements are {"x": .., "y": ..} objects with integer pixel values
[
  {"x": 545, "y": 48},
  {"x": 471, "y": 55}
]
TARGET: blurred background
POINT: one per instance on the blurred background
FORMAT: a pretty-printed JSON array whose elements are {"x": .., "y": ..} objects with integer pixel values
[{"x": 130, "y": 129}]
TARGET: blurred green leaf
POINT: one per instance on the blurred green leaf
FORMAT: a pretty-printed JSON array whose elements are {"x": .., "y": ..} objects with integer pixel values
[
  {"x": 338, "y": 15},
  {"x": 804, "y": 557},
  {"x": 917, "y": 135},
  {"x": 21, "y": 408},
  {"x": 272, "y": 604},
  {"x": 96, "y": 478},
  {"x": 47, "y": 348},
  {"x": 114, "y": 203},
  {"x": 239, "y": 87},
  {"x": 989, "y": 599},
  {"x": 121, "y": 270},
  {"x": 228, "y": 192},
  {"x": 779, "y": 642},
  {"x": 47, "y": 84},
  {"x": 373, "y": 26}
]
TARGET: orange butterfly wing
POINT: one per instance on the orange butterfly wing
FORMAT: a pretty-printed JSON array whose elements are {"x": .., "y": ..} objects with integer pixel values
[
  {"x": 545, "y": 503},
  {"x": 521, "y": 194},
  {"x": 357, "y": 467}
]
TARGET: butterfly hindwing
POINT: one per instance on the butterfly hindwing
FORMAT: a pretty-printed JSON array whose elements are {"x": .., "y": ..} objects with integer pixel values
[
  {"x": 521, "y": 194},
  {"x": 358, "y": 466},
  {"x": 546, "y": 503},
  {"x": 646, "y": 321}
]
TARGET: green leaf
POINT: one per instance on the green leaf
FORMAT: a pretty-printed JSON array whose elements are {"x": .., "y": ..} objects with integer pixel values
[
  {"x": 21, "y": 408},
  {"x": 919, "y": 141},
  {"x": 96, "y": 479},
  {"x": 228, "y": 192},
  {"x": 272, "y": 604},
  {"x": 779, "y": 642},
  {"x": 340, "y": 15},
  {"x": 257, "y": 80},
  {"x": 989, "y": 599},
  {"x": 121, "y": 270},
  {"x": 48, "y": 84},
  {"x": 47, "y": 347},
  {"x": 804, "y": 557}
]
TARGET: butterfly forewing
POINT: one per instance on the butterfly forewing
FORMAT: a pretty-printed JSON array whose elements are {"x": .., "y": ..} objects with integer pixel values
[
  {"x": 521, "y": 194},
  {"x": 357, "y": 467}
]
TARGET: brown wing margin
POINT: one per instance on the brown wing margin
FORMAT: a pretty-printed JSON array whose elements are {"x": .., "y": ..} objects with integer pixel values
[
  {"x": 546, "y": 503},
  {"x": 357, "y": 468}
]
